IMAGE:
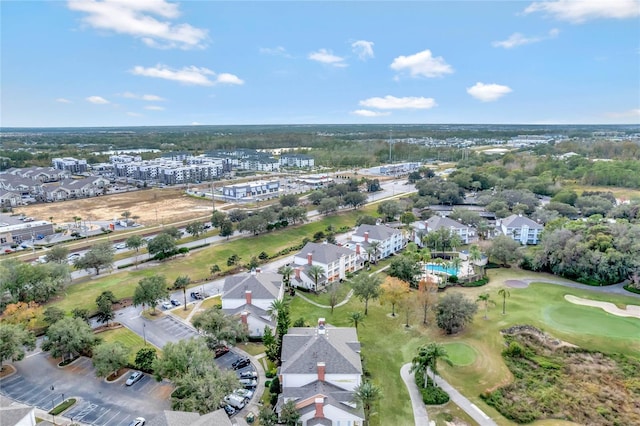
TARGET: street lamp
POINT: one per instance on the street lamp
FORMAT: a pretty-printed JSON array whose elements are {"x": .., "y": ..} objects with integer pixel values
[
  {"x": 144, "y": 332},
  {"x": 53, "y": 405}
]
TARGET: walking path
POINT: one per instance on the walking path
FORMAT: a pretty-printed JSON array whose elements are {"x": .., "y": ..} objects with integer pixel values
[
  {"x": 344, "y": 302},
  {"x": 609, "y": 289},
  {"x": 419, "y": 410}
]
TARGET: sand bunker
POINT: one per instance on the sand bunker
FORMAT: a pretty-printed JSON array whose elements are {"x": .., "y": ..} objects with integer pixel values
[{"x": 631, "y": 311}]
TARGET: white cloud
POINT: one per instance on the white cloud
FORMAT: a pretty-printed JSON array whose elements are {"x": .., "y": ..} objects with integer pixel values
[
  {"x": 137, "y": 18},
  {"x": 154, "y": 108},
  {"x": 196, "y": 76},
  {"x": 134, "y": 114},
  {"x": 363, "y": 48},
  {"x": 195, "y": 123},
  {"x": 517, "y": 39},
  {"x": 391, "y": 102},
  {"x": 149, "y": 98},
  {"x": 226, "y": 78},
  {"x": 99, "y": 100},
  {"x": 422, "y": 64},
  {"x": 327, "y": 57},
  {"x": 63, "y": 101},
  {"x": 369, "y": 113},
  {"x": 584, "y": 10},
  {"x": 488, "y": 92},
  {"x": 632, "y": 113},
  {"x": 275, "y": 51}
]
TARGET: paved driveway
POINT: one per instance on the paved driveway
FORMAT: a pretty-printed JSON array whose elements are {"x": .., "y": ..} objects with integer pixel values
[{"x": 98, "y": 403}]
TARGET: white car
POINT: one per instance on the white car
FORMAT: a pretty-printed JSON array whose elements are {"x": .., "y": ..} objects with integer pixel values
[
  {"x": 244, "y": 393},
  {"x": 133, "y": 378},
  {"x": 166, "y": 305},
  {"x": 120, "y": 246}
]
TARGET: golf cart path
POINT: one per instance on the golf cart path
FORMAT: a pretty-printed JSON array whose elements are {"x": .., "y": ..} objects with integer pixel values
[{"x": 609, "y": 289}]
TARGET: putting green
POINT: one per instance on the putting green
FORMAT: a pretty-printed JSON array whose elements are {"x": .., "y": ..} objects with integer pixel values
[
  {"x": 589, "y": 320},
  {"x": 460, "y": 353}
]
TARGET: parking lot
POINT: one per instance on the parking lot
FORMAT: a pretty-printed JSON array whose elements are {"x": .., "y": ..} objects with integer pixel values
[
  {"x": 225, "y": 362},
  {"x": 41, "y": 383}
]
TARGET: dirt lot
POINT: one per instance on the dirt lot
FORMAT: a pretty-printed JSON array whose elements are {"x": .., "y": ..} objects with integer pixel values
[{"x": 152, "y": 206}]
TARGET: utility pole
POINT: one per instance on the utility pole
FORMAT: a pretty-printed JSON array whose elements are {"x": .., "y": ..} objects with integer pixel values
[{"x": 390, "y": 133}]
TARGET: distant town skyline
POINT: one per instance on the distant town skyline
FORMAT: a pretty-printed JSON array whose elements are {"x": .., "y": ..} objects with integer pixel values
[{"x": 152, "y": 63}]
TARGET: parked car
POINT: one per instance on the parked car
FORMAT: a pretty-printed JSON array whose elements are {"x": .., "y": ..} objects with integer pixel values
[
  {"x": 197, "y": 295},
  {"x": 138, "y": 421},
  {"x": 175, "y": 302},
  {"x": 248, "y": 375},
  {"x": 133, "y": 378},
  {"x": 229, "y": 410},
  {"x": 248, "y": 383},
  {"x": 220, "y": 350},
  {"x": 120, "y": 246},
  {"x": 236, "y": 401},
  {"x": 240, "y": 362},
  {"x": 245, "y": 393},
  {"x": 166, "y": 305}
]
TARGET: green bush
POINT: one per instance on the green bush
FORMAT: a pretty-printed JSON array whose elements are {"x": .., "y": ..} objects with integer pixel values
[
  {"x": 62, "y": 407},
  {"x": 632, "y": 289},
  {"x": 431, "y": 395},
  {"x": 478, "y": 283}
]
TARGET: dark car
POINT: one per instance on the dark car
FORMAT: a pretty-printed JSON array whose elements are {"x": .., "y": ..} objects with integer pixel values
[
  {"x": 229, "y": 410},
  {"x": 220, "y": 350},
  {"x": 133, "y": 378},
  {"x": 138, "y": 421},
  {"x": 196, "y": 295},
  {"x": 240, "y": 362},
  {"x": 175, "y": 302}
]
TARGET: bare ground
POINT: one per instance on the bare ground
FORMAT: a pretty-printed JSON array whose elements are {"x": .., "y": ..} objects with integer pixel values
[{"x": 152, "y": 206}]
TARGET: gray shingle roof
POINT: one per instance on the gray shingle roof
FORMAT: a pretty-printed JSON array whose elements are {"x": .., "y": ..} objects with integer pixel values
[
  {"x": 437, "y": 222},
  {"x": 333, "y": 394},
  {"x": 324, "y": 252},
  {"x": 184, "y": 418},
  {"x": 517, "y": 221},
  {"x": 376, "y": 232},
  {"x": 338, "y": 348},
  {"x": 263, "y": 285},
  {"x": 252, "y": 310}
]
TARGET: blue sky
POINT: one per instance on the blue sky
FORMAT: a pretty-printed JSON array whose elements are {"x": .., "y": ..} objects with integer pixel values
[{"x": 155, "y": 62}]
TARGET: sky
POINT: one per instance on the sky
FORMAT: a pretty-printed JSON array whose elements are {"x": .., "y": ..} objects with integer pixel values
[{"x": 82, "y": 63}]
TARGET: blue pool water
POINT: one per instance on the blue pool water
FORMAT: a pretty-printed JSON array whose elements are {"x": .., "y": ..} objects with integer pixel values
[{"x": 431, "y": 267}]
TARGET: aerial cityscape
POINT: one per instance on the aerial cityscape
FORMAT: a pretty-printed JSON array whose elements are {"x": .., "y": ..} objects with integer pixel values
[{"x": 320, "y": 213}]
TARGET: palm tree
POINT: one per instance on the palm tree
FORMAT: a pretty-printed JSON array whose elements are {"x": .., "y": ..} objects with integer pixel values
[
  {"x": 474, "y": 255},
  {"x": 375, "y": 245},
  {"x": 456, "y": 262},
  {"x": 486, "y": 299},
  {"x": 278, "y": 305},
  {"x": 428, "y": 357},
  {"x": 181, "y": 283},
  {"x": 365, "y": 396},
  {"x": 356, "y": 318},
  {"x": 286, "y": 272},
  {"x": 504, "y": 293},
  {"x": 370, "y": 251},
  {"x": 315, "y": 272}
]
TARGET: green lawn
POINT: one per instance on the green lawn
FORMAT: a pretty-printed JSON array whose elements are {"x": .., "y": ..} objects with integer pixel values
[
  {"x": 196, "y": 265},
  {"x": 128, "y": 338},
  {"x": 475, "y": 352}
]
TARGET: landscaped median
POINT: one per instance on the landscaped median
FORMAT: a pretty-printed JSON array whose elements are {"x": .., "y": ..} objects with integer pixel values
[{"x": 64, "y": 406}]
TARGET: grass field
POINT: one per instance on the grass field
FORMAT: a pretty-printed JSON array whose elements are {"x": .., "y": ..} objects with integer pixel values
[
  {"x": 128, "y": 338},
  {"x": 478, "y": 365}
]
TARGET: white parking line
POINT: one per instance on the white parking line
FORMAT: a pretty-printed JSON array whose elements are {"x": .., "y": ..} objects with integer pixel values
[
  {"x": 33, "y": 354},
  {"x": 98, "y": 418},
  {"x": 108, "y": 422}
]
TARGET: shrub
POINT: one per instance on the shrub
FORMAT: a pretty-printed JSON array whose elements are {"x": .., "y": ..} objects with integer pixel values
[
  {"x": 478, "y": 283},
  {"x": 628, "y": 287},
  {"x": 431, "y": 395},
  {"x": 62, "y": 407}
]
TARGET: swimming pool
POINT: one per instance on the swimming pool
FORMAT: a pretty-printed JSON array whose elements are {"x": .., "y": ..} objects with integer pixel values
[{"x": 432, "y": 267}]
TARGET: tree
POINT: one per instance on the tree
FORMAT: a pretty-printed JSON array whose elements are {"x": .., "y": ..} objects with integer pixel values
[
  {"x": 109, "y": 357},
  {"x": 105, "y": 306},
  {"x": 22, "y": 313},
  {"x": 316, "y": 197},
  {"x": 82, "y": 313},
  {"x": 327, "y": 206},
  {"x": 219, "y": 327},
  {"x": 58, "y": 254},
  {"x": 356, "y": 318},
  {"x": 289, "y": 414},
  {"x": 454, "y": 312},
  {"x": 266, "y": 416},
  {"x": 134, "y": 242},
  {"x": 289, "y": 200},
  {"x": 270, "y": 344},
  {"x": 215, "y": 268},
  {"x": 355, "y": 199},
  {"x": 366, "y": 395},
  {"x": 366, "y": 287},
  {"x": 286, "y": 272},
  {"x": 195, "y": 228},
  {"x": 99, "y": 257},
  {"x": 504, "y": 250},
  {"x": 393, "y": 291},
  {"x": 26, "y": 282},
  {"x": 226, "y": 228},
  {"x": 373, "y": 245},
  {"x": 407, "y": 305},
  {"x": 126, "y": 214},
  {"x": 427, "y": 358},
  {"x": 389, "y": 210},
  {"x": 316, "y": 272},
  {"x": 68, "y": 337},
  {"x": 182, "y": 357},
  {"x": 333, "y": 296},
  {"x": 150, "y": 290},
  {"x": 406, "y": 269},
  {"x": 145, "y": 358},
  {"x": 475, "y": 256},
  {"x": 485, "y": 298},
  {"x": 53, "y": 314},
  {"x": 504, "y": 293},
  {"x": 181, "y": 283},
  {"x": 162, "y": 246},
  {"x": 14, "y": 339},
  {"x": 217, "y": 217},
  {"x": 426, "y": 296}
]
